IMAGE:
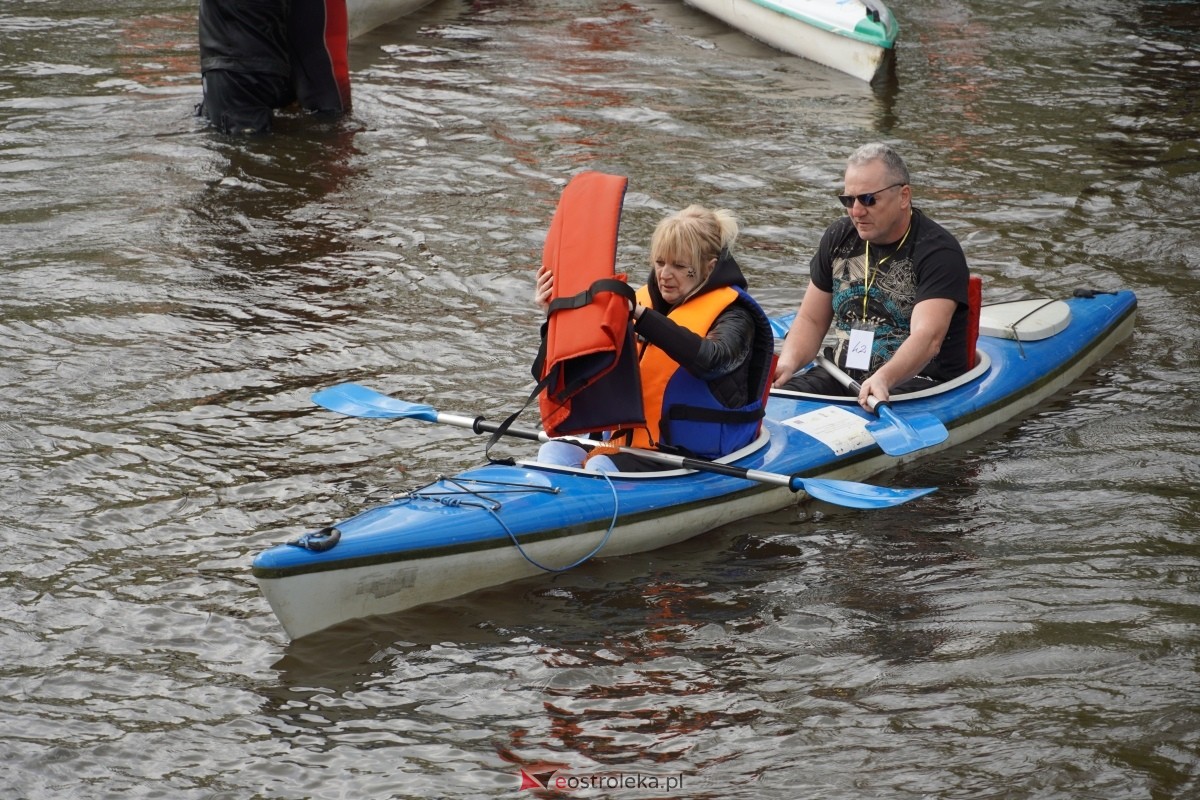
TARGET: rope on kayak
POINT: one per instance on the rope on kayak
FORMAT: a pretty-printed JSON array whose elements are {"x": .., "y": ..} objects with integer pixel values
[
  {"x": 456, "y": 496},
  {"x": 607, "y": 534},
  {"x": 1013, "y": 327},
  {"x": 465, "y": 496}
]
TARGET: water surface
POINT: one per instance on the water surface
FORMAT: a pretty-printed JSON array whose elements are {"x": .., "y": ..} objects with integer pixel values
[{"x": 170, "y": 298}]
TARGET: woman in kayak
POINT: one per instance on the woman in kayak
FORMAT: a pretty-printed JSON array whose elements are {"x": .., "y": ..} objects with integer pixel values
[{"x": 705, "y": 349}]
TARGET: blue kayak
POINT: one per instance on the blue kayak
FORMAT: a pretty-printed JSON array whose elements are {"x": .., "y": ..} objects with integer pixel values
[{"x": 497, "y": 523}]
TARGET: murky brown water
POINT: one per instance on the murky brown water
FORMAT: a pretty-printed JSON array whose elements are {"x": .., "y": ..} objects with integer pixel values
[{"x": 170, "y": 299}]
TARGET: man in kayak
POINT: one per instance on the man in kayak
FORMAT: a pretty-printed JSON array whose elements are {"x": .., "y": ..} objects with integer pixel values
[
  {"x": 704, "y": 348},
  {"x": 894, "y": 284},
  {"x": 260, "y": 55}
]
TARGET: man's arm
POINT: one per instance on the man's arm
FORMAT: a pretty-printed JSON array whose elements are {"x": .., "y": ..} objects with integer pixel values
[
  {"x": 930, "y": 321},
  {"x": 803, "y": 340}
]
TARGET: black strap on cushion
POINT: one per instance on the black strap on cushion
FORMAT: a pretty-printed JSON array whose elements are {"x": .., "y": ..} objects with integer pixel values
[{"x": 589, "y": 294}]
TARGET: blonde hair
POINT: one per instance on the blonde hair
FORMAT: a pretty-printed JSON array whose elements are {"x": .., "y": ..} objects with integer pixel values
[{"x": 696, "y": 235}]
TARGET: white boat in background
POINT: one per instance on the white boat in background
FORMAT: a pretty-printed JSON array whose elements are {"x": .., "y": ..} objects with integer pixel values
[
  {"x": 852, "y": 36},
  {"x": 366, "y": 15}
]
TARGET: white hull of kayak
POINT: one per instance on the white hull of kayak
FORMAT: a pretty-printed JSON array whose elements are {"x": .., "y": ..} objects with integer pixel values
[
  {"x": 308, "y": 603},
  {"x": 836, "y": 33},
  {"x": 366, "y": 15}
]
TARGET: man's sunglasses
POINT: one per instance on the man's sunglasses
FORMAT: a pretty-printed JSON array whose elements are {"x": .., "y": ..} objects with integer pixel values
[{"x": 867, "y": 199}]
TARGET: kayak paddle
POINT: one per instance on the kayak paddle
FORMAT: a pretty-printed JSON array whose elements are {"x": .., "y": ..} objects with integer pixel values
[
  {"x": 355, "y": 400},
  {"x": 895, "y": 434}
]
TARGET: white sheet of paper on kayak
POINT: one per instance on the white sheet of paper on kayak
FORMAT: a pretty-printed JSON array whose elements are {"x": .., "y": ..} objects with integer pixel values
[{"x": 839, "y": 429}]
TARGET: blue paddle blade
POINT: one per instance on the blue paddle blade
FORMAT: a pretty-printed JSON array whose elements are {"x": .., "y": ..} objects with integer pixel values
[
  {"x": 354, "y": 400},
  {"x": 897, "y": 435},
  {"x": 781, "y": 325},
  {"x": 857, "y": 495}
]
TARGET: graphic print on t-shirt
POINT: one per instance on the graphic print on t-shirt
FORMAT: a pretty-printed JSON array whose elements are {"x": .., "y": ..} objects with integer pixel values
[{"x": 890, "y": 301}]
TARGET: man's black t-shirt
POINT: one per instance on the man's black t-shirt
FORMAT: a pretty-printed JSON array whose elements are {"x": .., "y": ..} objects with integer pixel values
[{"x": 928, "y": 263}]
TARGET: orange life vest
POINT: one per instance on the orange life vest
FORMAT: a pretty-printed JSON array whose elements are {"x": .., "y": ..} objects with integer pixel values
[
  {"x": 587, "y": 371},
  {"x": 681, "y": 411}
]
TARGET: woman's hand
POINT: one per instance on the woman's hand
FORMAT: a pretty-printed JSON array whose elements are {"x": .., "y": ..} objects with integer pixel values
[{"x": 543, "y": 288}]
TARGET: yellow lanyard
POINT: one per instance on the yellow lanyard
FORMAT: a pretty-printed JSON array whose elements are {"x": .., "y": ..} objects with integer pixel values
[{"x": 867, "y": 255}]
